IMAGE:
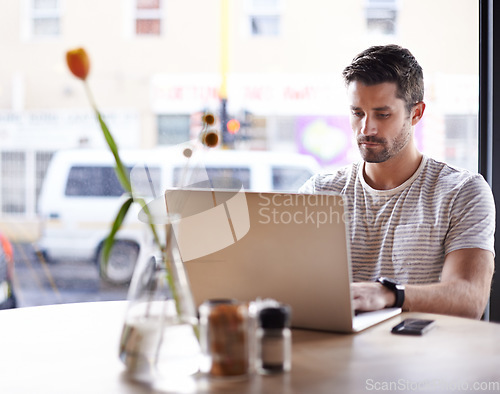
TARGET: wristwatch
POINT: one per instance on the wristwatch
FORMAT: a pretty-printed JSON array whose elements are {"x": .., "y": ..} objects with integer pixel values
[{"x": 398, "y": 289}]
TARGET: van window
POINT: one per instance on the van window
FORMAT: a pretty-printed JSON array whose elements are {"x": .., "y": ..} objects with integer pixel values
[
  {"x": 96, "y": 181},
  {"x": 289, "y": 178},
  {"x": 146, "y": 181},
  {"x": 230, "y": 173},
  {"x": 104, "y": 182}
]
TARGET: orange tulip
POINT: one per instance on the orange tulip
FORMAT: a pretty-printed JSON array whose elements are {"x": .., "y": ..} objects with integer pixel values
[{"x": 78, "y": 62}]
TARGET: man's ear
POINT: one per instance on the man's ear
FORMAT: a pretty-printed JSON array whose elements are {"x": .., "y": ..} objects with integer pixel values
[{"x": 417, "y": 112}]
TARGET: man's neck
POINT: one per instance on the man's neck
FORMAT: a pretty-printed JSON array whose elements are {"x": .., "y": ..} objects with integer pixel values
[{"x": 393, "y": 172}]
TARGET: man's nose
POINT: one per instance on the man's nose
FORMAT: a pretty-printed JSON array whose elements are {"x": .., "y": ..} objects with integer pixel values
[{"x": 368, "y": 126}]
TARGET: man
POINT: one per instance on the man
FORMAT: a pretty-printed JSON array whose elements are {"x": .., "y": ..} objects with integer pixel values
[{"x": 422, "y": 232}]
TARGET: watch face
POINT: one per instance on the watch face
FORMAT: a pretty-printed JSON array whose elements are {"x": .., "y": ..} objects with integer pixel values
[{"x": 387, "y": 282}]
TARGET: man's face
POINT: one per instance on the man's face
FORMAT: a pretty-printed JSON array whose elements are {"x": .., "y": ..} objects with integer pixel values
[{"x": 380, "y": 122}]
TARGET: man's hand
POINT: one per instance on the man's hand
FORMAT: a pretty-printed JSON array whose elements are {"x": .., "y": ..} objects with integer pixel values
[{"x": 369, "y": 296}]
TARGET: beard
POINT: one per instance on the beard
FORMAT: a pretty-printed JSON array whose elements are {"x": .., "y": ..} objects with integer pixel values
[{"x": 385, "y": 150}]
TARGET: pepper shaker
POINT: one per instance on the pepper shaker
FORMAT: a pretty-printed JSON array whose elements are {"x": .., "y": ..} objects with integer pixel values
[{"x": 274, "y": 340}]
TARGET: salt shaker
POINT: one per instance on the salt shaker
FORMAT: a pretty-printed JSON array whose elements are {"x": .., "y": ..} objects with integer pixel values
[{"x": 274, "y": 340}]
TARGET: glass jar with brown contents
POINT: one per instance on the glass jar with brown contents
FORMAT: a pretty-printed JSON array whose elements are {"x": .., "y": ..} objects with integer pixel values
[{"x": 224, "y": 338}]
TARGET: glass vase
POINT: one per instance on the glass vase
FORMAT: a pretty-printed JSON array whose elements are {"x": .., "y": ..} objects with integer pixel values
[{"x": 160, "y": 340}]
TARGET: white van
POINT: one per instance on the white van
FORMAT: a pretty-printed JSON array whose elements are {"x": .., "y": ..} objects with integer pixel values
[{"x": 81, "y": 195}]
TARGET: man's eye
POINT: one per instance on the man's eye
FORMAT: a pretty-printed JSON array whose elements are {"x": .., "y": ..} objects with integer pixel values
[
  {"x": 384, "y": 116},
  {"x": 357, "y": 114}
]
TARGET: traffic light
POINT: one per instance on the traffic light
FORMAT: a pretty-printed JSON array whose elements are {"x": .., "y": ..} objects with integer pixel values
[{"x": 233, "y": 126}]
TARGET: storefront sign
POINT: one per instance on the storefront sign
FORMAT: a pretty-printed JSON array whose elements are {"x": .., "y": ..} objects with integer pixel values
[{"x": 265, "y": 94}]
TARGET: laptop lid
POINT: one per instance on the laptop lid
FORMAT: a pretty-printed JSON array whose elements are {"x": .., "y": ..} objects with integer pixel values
[{"x": 290, "y": 247}]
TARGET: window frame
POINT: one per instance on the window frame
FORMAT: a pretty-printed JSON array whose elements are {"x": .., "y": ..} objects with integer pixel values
[
  {"x": 32, "y": 13},
  {"x": 489, "y": 124},
  {"x": 147, "y": 14},
  {"x": 251, "y": 11},
  {"x": 381, "y": 8}
]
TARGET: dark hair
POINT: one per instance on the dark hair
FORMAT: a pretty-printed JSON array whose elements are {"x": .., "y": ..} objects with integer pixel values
[{"x": 389, "y": 63}]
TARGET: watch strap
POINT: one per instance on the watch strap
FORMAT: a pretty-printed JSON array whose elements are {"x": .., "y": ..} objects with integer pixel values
[{"x": 398, "y": 289}]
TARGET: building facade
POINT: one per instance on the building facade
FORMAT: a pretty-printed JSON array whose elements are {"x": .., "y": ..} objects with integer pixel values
[{"x": 157, "y": 65}]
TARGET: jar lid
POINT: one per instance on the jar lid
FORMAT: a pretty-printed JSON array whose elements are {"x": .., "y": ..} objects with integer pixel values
[
  {"x": 219, "y": 301},
  {"x": 208, "y": 305},
  {"x": 275, "y": 317}
]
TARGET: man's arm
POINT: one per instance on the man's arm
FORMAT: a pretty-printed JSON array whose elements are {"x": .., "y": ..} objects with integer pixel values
[{"x": 463, "y": 291}]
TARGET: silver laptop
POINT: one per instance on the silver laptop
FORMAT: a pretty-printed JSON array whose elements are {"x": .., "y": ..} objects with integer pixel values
[{"x": 293, "y": 248}]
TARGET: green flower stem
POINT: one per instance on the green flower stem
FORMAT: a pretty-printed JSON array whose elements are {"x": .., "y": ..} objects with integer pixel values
[
  {"x": 120, "y": 169},
  {"x": 123, "y": 177},
  {"x": 120, "y": 217},
  {"x": 164, "y": 251}
]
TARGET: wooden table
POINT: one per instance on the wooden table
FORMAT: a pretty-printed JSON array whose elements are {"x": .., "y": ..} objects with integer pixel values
[{"x": 72, "y": 348}]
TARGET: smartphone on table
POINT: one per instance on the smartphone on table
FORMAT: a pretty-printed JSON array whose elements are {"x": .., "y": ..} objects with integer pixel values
[{"x": 413, "y": 327}]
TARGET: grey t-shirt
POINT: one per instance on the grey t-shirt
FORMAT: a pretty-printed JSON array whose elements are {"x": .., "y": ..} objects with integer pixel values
[{"x": 406, "y": 232}]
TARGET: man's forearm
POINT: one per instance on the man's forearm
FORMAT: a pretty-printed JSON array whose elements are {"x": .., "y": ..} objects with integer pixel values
[
  {"x": 463, "y": 291},
  {"x": 457, "y": 297}
]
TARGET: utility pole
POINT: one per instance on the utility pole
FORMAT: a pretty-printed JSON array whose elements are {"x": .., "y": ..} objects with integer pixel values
[{"x": 227, "y": 138}]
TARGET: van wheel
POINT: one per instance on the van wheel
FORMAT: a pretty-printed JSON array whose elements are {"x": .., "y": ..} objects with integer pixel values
[{"x": 121, "y": 263}]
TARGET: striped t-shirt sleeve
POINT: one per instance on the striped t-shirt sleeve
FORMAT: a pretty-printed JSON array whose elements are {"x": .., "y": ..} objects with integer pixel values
[{"x": 472, "y": 223}]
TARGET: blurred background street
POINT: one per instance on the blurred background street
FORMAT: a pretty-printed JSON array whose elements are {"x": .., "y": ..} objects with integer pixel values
[
  {"x": 37, "y": 282},
  {"x": 269, "y": 71}
]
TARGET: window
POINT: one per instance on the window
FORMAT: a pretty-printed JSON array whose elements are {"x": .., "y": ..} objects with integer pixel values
[
  {"x": 283, "y": 129},
  {"x": 104, "y": 182},
  {"x": 22, "y": 174},
  {"x": 173, "y": 129},
  {"x": 285, "y": 59},
  {"x": 289, "y": 178},
  {"x": 13, "y": 174},
  {"x": 42, "y": 160},
  {"x": 148, "y": 18},
  {"x": 461, "y": 134},
  {"x": 223, "y": 177},
  {"x": 264, "y": 17},
  {"x": 381, "y": 17},
  {"x": 45, "y": 18},
  {"x": 146, "y": 180}
]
